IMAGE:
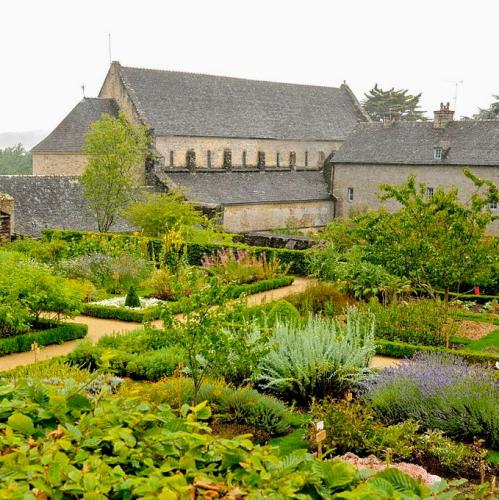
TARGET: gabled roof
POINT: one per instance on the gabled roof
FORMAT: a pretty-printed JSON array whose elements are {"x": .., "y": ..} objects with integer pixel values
[
  {"x": 69, "y": 135},
  {"x": 188, "y": 104},
  {"x": 234, "y": 188},
  {"x": 411, "y": 143}
]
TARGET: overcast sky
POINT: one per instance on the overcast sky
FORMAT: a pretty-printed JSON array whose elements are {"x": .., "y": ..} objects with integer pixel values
[{"x": 49, "y": 48}]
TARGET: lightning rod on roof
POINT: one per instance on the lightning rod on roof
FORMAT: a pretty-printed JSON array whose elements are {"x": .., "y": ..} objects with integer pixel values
[{"x": 109, "y": 47}]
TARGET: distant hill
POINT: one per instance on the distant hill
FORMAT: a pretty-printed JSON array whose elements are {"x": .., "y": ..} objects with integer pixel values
[{"x": 28, "y": 138}]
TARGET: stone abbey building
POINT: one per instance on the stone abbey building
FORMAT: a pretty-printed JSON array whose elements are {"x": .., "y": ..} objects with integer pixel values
[{"x": 255, "y": 150}]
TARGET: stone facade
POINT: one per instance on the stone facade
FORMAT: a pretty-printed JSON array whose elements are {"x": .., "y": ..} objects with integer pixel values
[
  {"x": 364, "y": 179},
  {"x": 266, "y": 216},
  {"x": 209, "y": 152},
  {"x": 58, "y": 163},
  {"x": 6, "y": 217}
]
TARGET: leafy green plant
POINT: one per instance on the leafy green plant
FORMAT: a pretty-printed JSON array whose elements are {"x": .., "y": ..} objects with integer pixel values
[
  {"x": 318, "y": 358},
  {"x": 58, "y": 440}
]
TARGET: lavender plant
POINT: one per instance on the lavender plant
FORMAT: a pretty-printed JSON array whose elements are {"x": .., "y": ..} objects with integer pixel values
[{"x": 441, "y": 391}]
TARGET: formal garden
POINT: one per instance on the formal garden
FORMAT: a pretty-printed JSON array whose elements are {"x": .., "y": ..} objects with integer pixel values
[{"x": 211, "y": 395}]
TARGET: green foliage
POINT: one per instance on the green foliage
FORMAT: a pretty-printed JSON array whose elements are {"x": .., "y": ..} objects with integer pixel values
[
  {"x": 378, "y": 103},
  {"x": 243, "y": 406},
  {"x": 28, "y": 289},
  {"x": 61, "y": 442},
  {"x": 490, "y": 113},
  {"x": 158, "y": 213},
  {"x": 83, "y": 242},
  {"x": 46, "y": 252},
  {"x": 422, "y": 322},
  {"x": 405, "y": 350},
  {"x": 132, "y": 299},
  {"x": 431, "y": 243},
  {"x": 116, "y": 150},
  {"x": 283, "y": 311},
  {"x": 114, "y": 273},
  {"x": 353, "y": 427},
  {"x": 47, "y": 335},
  {"x": 122, "y": 313},
  {"x": 15, "y": 160},
  {"x": 319, "y": 358},
  {"x": 242, "y": 266}
]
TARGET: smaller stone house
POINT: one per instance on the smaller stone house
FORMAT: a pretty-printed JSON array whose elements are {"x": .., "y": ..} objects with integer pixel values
[
  {"x": 436, "y": 152},
  {"x": 6, "y": 217}
]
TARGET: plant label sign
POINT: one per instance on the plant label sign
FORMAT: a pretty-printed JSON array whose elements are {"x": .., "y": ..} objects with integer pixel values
[
  {"x": 319, "y": 426},
  {"x": 320, "y": 436}
]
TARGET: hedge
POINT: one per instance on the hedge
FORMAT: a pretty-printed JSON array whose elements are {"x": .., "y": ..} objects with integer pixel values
[
  {"x": 404, "y": 350},
  {"x": 152, "y": 313},
  {"x": 121, "y": 313},
  {"x": 56, "y": 334},
  {"x": 297, "y": 259},
  {"x": 480, "y": 299}
]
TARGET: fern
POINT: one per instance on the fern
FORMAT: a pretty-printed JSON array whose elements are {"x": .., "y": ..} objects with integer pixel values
[{"x": 321, "y": 357}]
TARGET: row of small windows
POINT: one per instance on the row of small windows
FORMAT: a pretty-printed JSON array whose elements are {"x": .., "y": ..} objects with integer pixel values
[{"x": 190, "y": 158}]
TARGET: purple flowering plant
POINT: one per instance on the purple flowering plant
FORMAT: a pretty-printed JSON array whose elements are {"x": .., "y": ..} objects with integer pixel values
[{"x": 440, "y": 391}]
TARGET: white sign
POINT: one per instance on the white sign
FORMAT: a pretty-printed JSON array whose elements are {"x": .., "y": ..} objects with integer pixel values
[{"x": 319, "y": 425}]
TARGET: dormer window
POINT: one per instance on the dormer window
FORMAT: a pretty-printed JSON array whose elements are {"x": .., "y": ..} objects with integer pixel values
[{"x": 438, "y": 153}]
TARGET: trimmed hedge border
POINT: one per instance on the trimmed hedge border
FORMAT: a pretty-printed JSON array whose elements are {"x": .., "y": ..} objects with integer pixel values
[
  {"x": 153, "y": 313},
  {"x": 298, "y": 259},
  {"x": 404, "y": 350},
  {"x": 479, "y": 299},
  {"x": 55, "y": 335}
]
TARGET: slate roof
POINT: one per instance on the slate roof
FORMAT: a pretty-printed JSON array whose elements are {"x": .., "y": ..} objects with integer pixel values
[
  {"x": 187, "y": 104},
  {"x": 232, "y": 188},
  {"x": 48, "y": 202},
  {"x": 411, "y": 143},
  {"x": 69, "y": 135}
]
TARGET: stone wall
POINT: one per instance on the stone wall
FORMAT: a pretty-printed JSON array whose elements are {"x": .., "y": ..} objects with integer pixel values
[
  {"x": 317, "y": 151},
  {"x": 365, "y": 179},
  {"x": 266, "y": 216},
  {"x": 59, "y": 163},
  {"x": 113, "y": 88}
]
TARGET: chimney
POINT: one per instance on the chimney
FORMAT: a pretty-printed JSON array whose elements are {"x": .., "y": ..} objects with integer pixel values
[
  {"x": 390, "y": 118},
  {"x": 443, "y": 116}
]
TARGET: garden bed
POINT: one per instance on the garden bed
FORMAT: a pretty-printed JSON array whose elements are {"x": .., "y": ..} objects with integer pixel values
[
  {"x": 47, "y": 333},
  {"x": 177, "y": 307}
]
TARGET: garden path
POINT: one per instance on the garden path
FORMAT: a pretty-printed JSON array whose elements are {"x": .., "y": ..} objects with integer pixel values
[{"x": 98, "y": 328}]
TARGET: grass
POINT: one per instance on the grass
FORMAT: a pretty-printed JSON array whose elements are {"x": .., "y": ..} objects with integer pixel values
[{"x": 490, "y": 343}]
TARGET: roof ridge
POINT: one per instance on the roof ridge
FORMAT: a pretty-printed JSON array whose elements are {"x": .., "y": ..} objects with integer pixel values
[{"x": 193, "y": 73}]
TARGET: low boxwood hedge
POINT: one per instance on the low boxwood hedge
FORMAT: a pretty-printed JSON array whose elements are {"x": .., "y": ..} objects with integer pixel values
[
  {"x": 153, "y": 313},
  {"x": 404, "y": 350},
  {"x": 297, "y": 259},
  {"x": 52, "y": 334}
]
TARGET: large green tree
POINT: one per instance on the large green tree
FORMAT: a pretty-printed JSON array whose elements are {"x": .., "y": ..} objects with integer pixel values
[
  {"x": 378, "y": 103},
  {"x": 437, "y": 241},
  {"x": 116, "y": 152},
  {"x": 490, "y": 113},
  {"x": 15, "y": 160}
]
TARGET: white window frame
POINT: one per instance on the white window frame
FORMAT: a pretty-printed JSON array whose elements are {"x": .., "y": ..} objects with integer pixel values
[
  {"x": 430, "y": 192},
  {"x": 350, "y": 194},
  {"x": 492, "y": 205},
  {"x": 438, "y": 153}
]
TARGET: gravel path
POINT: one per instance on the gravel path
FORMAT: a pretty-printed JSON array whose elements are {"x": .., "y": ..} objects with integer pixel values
[{"x": 98, "y": 328}]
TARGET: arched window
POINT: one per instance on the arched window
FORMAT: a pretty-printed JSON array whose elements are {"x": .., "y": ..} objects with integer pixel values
[
  {"x": 227, "y": 163},
  {"x": 261, "y": 159},
  {"x": 244, "y": 159},
  {"x": 208, "y": 158},
  {"x": 190, "y": 158},
  {"x": 292, "y": 159},
  {"x": 322, "y": 158},
  {"x": 172, "y": 158}
]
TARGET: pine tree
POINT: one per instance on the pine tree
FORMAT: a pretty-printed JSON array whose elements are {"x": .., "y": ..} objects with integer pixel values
[{"x": 379, "y": 102}]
